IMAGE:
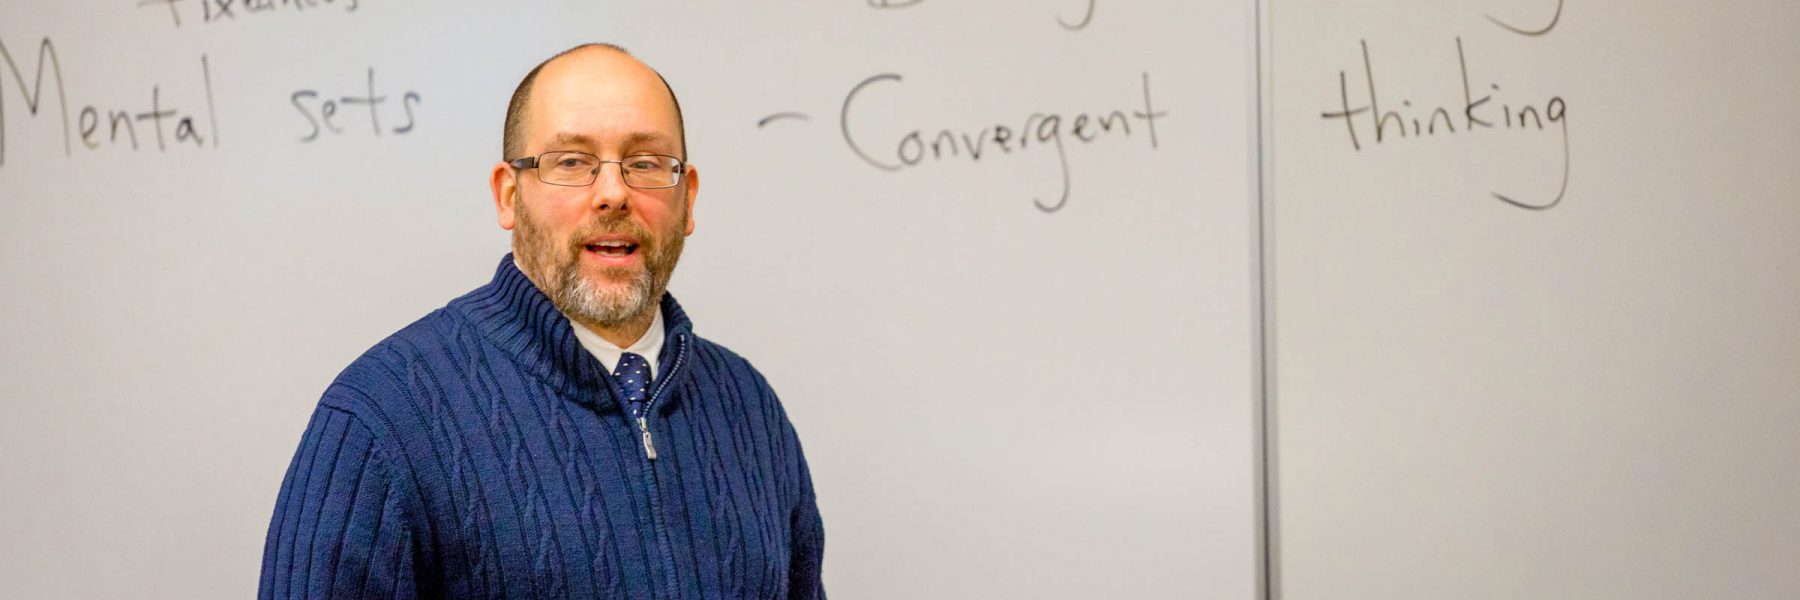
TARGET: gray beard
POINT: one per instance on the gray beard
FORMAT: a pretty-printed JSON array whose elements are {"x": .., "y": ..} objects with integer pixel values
[
  {"x": 586, "y": 303},
  {"x": 579, "y": 298}
]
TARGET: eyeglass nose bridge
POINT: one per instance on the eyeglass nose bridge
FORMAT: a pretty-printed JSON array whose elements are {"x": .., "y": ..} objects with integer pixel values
[
  {"x": 594, "y": 178},
  {"x": 600, "y": 165}
]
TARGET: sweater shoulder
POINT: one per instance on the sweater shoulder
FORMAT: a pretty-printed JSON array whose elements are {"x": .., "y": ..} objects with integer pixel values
[
  {"x": 718, "y": 357},
  {"x": 386, "y": 377}
]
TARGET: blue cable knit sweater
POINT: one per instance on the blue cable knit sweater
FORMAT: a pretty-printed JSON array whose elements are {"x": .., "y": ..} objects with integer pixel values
[{"x": 480, "y": 453}]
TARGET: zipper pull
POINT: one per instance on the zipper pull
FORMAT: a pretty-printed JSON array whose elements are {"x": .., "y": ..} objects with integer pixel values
[{"x": 649, "y": 448}]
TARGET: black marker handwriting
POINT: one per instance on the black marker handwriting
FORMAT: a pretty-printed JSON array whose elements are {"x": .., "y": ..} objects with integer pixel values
[
  {"x": 915, "y": 147},
  {"x": 325, "y": 120},
  {"x": 1391, "y": 123},
  {"x": 1086, "y": 18},
  {"x": 1554, "y": 18},
  {"x": 34, "y": 99},
  {"x": 765, "y": 121},
  {"x": 121, "y": 125},
  {"x": 212, "y": 11},
  {"x": 1556, "y": 111},
  {"x": 1083, "y": 23}
]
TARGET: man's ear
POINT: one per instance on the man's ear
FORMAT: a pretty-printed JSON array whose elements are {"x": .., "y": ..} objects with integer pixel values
[
  {"x": 506, "y": 194},
  {"x": 693, "y": 189}
]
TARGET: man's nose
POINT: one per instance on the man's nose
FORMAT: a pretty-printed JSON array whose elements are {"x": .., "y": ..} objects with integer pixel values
[{"x": 609, "y": 187}]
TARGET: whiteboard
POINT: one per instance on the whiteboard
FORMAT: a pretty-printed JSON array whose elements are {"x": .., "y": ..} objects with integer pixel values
[
  {"x": 174, "y": 305},
  {"x": 1481, "y": 391}
]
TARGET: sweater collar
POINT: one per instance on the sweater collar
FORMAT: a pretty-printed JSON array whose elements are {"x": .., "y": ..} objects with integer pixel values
[{"x": 516, "y": 316}]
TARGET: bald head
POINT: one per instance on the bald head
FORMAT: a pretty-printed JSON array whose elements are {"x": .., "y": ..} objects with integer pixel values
[{"x": 592, "y": 63}]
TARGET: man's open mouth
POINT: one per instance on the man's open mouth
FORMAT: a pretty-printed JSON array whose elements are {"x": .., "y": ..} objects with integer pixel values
[{"x": 613, "y": 248}]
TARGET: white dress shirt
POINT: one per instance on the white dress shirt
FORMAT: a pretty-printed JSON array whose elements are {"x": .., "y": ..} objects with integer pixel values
[{"x": 646, "y": 346}]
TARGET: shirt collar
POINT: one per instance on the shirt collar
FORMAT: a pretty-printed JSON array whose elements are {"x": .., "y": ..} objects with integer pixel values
[{"x": 648, "y": 345}]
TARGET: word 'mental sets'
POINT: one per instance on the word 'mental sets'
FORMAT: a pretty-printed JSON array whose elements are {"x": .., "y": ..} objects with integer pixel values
[
  {"x": 321, "y": 111},
  {"x": 137, "y": 123},
  {"x": 169, "y": 117}
]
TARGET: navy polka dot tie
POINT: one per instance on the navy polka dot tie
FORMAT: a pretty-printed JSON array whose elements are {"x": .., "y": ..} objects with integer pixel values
[{"x": 633, "y": 375}]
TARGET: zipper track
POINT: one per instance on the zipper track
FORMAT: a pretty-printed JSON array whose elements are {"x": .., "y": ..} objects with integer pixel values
[{"x": 650, "y": 478}]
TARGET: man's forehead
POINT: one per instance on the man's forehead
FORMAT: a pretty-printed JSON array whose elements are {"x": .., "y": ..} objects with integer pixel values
[{"x": 601, "y": 88}]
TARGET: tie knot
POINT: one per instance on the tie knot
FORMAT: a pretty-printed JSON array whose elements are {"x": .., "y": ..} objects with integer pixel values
[{"x": 633, "y": 375}]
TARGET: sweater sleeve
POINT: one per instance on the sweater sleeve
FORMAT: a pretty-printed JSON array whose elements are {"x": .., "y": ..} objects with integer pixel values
[
  {"x": 805, "y": 580},
  {"x": 339, "y": 530}
]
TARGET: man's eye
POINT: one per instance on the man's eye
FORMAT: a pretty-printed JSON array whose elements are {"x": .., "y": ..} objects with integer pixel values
[{"x": 571, "y": 163}]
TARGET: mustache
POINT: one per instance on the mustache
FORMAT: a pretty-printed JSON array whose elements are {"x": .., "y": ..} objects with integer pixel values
[{"x": 617, "y": 224}]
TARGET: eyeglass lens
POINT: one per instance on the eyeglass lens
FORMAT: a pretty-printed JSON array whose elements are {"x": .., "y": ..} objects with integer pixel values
[{"x": 580, "y": 169}]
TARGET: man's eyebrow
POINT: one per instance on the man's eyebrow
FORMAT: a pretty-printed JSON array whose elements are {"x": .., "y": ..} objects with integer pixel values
[
  {"x": 566, "y": 139},
  {"x": 646, "y": 137}
]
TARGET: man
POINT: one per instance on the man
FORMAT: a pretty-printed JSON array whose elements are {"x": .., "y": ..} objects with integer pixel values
[{"x": 559, "y": 432}]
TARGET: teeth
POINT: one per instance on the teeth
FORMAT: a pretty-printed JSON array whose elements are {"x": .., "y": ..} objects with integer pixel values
[{"x": 612, "y": 244}]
